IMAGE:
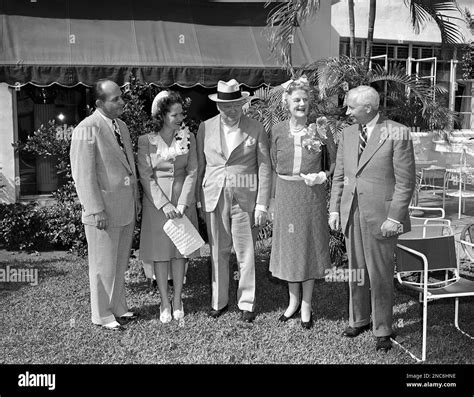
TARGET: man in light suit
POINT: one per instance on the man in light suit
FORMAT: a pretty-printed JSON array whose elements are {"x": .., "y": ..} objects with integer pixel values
[
  {"x": 104, "y": 173},
  {"x": 372, "y": 187},
  {"x": 234, "y": 182}
]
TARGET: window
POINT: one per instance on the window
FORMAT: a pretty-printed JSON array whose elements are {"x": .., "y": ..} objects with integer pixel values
[
  {"x": 378, "y": 49},
  {"x": 344, "y": 47},
  {"x": 36, "y": 106},
  {"x": 401, "y": 52}
]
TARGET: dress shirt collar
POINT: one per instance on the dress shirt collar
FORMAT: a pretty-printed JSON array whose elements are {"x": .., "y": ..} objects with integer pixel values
[
  {"x": 108, "y": 120},
  {"x": 371, "y": 125},
  {"x": 227, "y": 127}
]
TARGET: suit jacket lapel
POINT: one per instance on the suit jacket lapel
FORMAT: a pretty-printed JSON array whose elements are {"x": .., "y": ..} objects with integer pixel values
[
  {"x": 353, "y": 145},
  {"x": 216, "y": 136},
  {"x": 110, "y": 136},
  {"x": 127, "y": 143},
  {"x": 373, "y": 144}
]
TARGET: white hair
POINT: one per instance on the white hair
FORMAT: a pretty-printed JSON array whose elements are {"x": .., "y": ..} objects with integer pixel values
[
  {"x": 366, "y": 95},
  {"x": 292, "y": 85}
]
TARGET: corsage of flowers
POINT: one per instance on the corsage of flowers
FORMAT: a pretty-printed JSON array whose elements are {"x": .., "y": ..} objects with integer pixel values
[
  {"x": 317, "y": 135},
  {"x": 180, "y": 145}
]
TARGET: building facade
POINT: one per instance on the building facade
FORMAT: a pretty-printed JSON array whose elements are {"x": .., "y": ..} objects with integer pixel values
[{"x": 50, "y": 57}]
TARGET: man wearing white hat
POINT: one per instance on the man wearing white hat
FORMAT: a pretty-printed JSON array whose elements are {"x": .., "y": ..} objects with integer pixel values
[{"x": 234, "y": 182}]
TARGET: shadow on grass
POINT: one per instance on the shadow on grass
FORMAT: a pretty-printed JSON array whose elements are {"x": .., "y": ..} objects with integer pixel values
[
  {"x": 271, "y": 293},
  {"x": 408, "y": 323}
]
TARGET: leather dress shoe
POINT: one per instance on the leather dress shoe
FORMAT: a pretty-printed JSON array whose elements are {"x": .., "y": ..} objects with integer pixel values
[
  {"x": 352, "y": 332},
  {"x": 383, "y": 343},
  {"x": 113, "y": 326},
  {"x": 217, "y": 313},
  {"x": 247, "y": 317},
  {"x": 308, "y": 324},
  {"x": 284, "y": 319},
  {"x": 127, "y": 317},
  {"x": 130, "y": 316}
]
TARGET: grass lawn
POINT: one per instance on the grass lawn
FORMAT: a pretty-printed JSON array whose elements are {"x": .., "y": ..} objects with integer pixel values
[{"x": 50, "y": 323}]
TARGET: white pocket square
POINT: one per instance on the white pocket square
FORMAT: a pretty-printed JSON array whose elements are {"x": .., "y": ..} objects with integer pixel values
[{"x": 250, "y": 141}]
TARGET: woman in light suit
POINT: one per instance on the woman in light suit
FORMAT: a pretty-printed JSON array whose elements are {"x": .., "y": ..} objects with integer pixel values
[{"x": 167, "y": 165}]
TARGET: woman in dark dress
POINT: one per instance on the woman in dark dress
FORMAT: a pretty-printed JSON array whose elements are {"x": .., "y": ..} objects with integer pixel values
[{"x": 300, "y": 244}]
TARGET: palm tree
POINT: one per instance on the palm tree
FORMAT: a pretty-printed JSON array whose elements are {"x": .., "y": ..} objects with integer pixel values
[
  {"x": 285, "y": 17},
  {"x": 370, "y": 32},
  {"x": 352, "y": 51},
  {"x": 422, "y": 11}
]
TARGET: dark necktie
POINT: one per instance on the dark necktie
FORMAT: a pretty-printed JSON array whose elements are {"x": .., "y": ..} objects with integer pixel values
[
  {"x": 362, "y": 139},
  {"x": 119, "y": 138},
  {"x": 117, "y": 135}
]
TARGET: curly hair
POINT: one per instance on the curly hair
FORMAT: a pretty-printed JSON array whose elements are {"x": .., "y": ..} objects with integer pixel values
[
  {"x": 293, "y": 86},
  {"x": 163, "y": 106}
]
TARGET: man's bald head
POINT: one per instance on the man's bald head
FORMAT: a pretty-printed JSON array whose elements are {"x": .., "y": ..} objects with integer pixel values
[{"x": 108, "y": 98}]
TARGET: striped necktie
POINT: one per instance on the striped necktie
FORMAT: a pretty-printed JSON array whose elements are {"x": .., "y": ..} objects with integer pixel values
[
  {"x": 362, "y": 138},
  {"x": 117, "y": 135}
]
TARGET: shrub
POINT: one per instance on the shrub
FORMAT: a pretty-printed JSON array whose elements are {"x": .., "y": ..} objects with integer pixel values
[
  {"x": 59, "y": 225},
  {"x": 62, "y": 221},
  {"x": 22, "y": 227}
]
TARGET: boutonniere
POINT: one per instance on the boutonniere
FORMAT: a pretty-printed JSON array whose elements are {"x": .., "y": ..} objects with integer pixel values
[
  {"x": 250, "y": 141},
  {"x": 317, "y": 135}
]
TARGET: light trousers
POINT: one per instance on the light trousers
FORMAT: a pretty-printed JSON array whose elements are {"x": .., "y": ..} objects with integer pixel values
[
  {"x": 229, "y": 226},
  {"x": 109, "y": 254}
]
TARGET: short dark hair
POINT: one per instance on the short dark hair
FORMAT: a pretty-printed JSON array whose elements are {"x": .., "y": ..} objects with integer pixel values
[
  {"x": 164, "y": 106},
  {"x": 98, "y": 92}
]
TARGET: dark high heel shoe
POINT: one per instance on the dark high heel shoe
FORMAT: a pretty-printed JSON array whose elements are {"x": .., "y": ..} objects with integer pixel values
[
  {"x": 284, "y": 319},
  {"x": 308, "y": 324}
]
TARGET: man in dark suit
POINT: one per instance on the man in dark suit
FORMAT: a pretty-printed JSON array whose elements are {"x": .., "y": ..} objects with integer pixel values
[
  {"x": 104, "y": 173},
  {"x": 372, "y": 187}
]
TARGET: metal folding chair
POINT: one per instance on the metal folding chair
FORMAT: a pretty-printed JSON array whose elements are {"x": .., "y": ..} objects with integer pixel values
[
  {"x": 428, "y": 216},
  {"x": 427, "y": 252}
]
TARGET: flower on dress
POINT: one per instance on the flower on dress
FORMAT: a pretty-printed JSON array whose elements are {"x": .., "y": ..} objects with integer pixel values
[
  {"x": 179, "y": 146},
  {"x": 182, "y": 138},
  {"x": 317, "y": 135},
  {"x": 345, "y": 86}
]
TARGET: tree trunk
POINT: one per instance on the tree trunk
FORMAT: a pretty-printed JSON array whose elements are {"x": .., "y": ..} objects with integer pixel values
[
  {"x": 352, "y": 52},
  {"x": 370, "y": 34}
]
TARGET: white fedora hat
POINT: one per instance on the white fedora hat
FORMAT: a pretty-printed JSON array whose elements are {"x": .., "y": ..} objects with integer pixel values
[{"x": 228, "y": 92}]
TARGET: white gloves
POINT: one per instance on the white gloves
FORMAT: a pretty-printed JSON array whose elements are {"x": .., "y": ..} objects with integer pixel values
[{"x": 314, "y": 179}]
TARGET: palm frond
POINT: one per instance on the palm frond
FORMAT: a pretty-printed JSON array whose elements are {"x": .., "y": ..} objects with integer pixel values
[
  {"x": 332, "y": 75},
  {"x": 396, "y": 74},
  {"x": 282, "y": 22},
  {"x": 423, "y": 11}
]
